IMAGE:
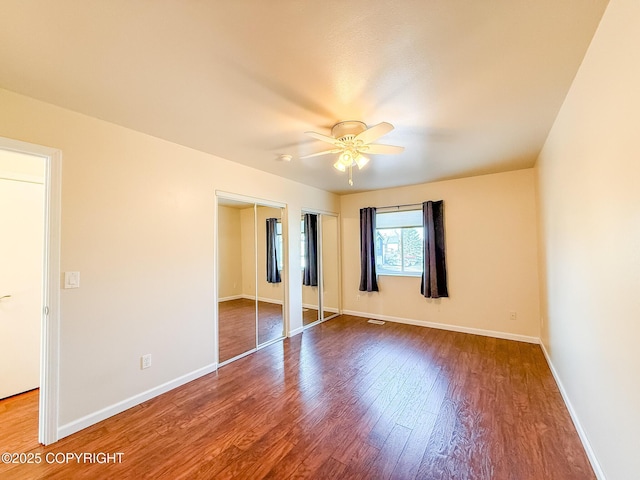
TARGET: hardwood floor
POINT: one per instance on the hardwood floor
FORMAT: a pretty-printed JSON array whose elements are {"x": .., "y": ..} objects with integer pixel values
[
  {"x": 237, "y": 325},
  {"x": 19, "y": 422},
  {"x": 345, "y": 399},
  {"x": 309, "y": 315}
]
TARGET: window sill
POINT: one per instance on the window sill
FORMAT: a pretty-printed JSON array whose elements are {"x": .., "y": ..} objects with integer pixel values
[{"x": 399, "y": 274}]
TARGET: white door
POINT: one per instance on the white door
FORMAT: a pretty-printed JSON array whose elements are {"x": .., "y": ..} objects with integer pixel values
[{"x": 21, "y": 272}]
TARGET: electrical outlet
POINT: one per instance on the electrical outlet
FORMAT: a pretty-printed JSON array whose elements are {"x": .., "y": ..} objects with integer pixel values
[
  {"x": 145, "y": 361},
  {"x": 513, "y": 316},
  {"x": 357, "y": 298}
]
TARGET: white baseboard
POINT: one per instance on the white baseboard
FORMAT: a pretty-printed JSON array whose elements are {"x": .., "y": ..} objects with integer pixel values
[
  {"x": 251, "y": 297},
  {"x": 574, "y": 417},
  {"x": 93, "y": 418},
  {"x": 232, "y": 297},
  {"x": 295, "y": 332},
  {"x": 315, "y": 307},
  {"x": 445, "y": 326},
  {"x": 270, "y": 300}
]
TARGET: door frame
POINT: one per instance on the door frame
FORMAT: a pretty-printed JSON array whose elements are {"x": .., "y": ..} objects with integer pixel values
[{"x": 50, "y": 319}]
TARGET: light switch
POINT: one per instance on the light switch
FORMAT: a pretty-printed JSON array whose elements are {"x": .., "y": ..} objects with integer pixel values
[{"x": 71, "y": 279}]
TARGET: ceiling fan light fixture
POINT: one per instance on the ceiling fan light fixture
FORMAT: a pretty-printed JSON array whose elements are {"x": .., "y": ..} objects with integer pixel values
[
  {"x": 352, "y": 138},
  {"x": 347, "y": 157},
  {"x": 361, "y": 161}
]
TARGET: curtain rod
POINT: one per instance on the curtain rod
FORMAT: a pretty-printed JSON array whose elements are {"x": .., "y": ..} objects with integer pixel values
[{"x": 402, "y": 206}]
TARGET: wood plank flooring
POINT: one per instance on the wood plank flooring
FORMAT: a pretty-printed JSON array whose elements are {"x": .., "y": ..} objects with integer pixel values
[
  {"x": 309, "y": 315},
  {"x": 348, "y": 400},
  {"x": 237, "y": 325}
]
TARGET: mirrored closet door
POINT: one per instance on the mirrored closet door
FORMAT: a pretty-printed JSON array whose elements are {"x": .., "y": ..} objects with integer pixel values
[
  {"x": 320, "y": 267},
  {"x": 250, "y": 276},
  {"x": 270, "y": 285}
]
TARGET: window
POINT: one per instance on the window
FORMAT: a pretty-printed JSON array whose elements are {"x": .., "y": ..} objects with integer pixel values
[{"x": 399, "y": 243}]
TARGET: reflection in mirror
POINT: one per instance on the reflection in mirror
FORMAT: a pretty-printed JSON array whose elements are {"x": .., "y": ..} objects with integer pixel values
[
  {"x": 236, "y": 279},
  {"x": 330, "y": 262},
  {"x": 309, "y": 272},
  {"x": 320, "y": 267},
  {"x": 270, "y": 277}
]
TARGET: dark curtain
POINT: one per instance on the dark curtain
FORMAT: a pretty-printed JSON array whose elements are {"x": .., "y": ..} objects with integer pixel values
[
  {"x": 273, "y": 275},
  {"x": 310, "y": 276},
  {"x": 434, "y": 276},
  {"x": 368, "y": 277}
]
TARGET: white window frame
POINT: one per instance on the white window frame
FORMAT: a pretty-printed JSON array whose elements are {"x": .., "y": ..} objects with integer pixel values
[{"x": 380, "y": 270}]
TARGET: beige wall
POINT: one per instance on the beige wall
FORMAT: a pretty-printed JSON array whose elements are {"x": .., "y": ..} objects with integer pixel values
[
  {"x": 248, "y": 246},
  {"x": 330, "y": 264},
  {"x": 491, "y": 236},
  {"x": 138, "y": 224},
  {"x": 589, "y": 173},
  {"x": 269, "y": 292},
  {"x": 229, "y": 252}
]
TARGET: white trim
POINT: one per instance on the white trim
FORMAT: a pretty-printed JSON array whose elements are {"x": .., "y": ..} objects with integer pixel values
[
  {"x": 270, "y": 300},
  {"x": 251, "y": 297},
  {"x": 261, "y": 202},
  {"x": 295, "y": 332},
  {"x": 574, "y": 417},
  {"x": 215, "y": 266},
  {"x": 444, "y": 326},
  {"x": 318, "y": 322},
  {"x": 50, "y": 321},
  {"x": 49, "y": 363},
  {"x": 93, "y": 418},
  {"x": 231, "y": 297},
  {"x": 315, "y": 307},
  {"x": 237, "y": 357},
  {"x": 319, "y": 212},
  {"x": 270, "y": 342},
  {"x": 21, "y": 177}
]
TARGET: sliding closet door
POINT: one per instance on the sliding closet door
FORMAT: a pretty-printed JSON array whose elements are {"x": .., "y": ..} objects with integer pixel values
[
  {"x": 330, "y": 267},
  {"x": 270, "y": 274},
  {"x": 320, "y": 267},
  {"x": 310, "y": 289},
  {"x": 236, "y": 279},
  {"x": 251, "y": 280}
]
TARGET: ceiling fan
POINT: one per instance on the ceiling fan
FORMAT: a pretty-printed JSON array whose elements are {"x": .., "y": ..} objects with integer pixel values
[{"x": 351, "y": 140}]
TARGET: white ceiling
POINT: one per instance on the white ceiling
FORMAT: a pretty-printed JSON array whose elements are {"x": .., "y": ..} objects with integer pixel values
[{"x": 472, "y": 86}]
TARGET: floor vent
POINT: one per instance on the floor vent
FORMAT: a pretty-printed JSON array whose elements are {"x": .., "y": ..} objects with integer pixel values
[{"x": 377, "y": 322}]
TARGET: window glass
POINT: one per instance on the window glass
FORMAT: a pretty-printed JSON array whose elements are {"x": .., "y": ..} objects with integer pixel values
[{"x": 399, "y": 243}]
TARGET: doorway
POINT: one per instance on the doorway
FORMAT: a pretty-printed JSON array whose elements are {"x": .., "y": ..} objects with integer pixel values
[
  {"x": 29, "y": 284},
  {"x": 21, "y": 278}
]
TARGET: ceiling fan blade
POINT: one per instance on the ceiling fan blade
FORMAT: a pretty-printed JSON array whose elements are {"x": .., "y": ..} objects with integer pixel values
[
  {"x": 374, "y": 133},
  {"x": 375, "y": 148},
  {"x": 326, "y": 152},
  {"x": 324, "y": 138}
]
